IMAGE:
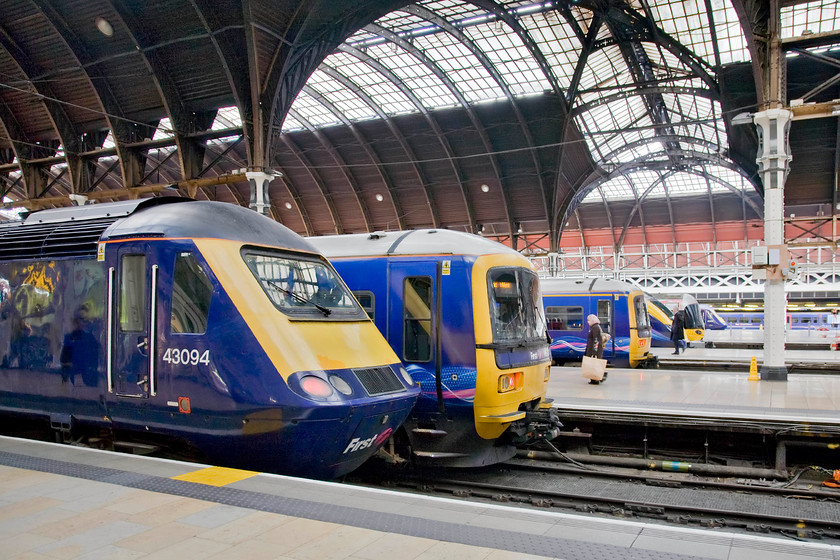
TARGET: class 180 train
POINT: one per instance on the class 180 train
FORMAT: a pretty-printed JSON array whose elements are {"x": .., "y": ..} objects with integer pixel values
[
  {"x": 464, "y": 315},
  {"x": 192, "y": 327},
  {"x": 621, "y": 309}
]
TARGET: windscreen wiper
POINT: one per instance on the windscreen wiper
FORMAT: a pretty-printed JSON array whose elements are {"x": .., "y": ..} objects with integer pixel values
[{"x": 325, "y": 310}]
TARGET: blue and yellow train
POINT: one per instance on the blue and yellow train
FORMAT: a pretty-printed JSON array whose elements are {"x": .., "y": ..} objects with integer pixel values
[
  {"x": 620, "y": 307},
  {"x": 192, "y": 326},
  {"x": 661, "y": 317},
  {"x": 464, "y": 315}
]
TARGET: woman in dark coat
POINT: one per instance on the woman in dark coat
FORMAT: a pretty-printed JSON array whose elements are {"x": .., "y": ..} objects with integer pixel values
[
  {"x": 678, "y": 330},
  {"x": 595, "y": 343}
]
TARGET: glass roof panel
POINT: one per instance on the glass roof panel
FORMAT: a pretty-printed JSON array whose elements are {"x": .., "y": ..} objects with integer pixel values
[
  {"x": 463, "y": 68},
  {"x": 417, "y": 76},
  {"x": 374, "y": 84},
  {"x": 557, "y": 41},
  {"x": 818, "y": 16},
  {"x": 315, "y": 113},
  {"x": 164, "y": 129},
  {"x": 291, "y": 124},
  {"x": 227, "y": 117},
  {"x": 342, "y": 98},
  {"x": 510, "y": 57},
  {"x": 689, "y": 23}
]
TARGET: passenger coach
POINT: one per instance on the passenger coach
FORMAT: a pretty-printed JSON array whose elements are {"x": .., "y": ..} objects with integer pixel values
[{"x": 620, "y": 307}]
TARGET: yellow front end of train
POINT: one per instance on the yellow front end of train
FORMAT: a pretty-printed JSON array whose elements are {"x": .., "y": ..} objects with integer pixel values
[{"x": 512, "y": 350}]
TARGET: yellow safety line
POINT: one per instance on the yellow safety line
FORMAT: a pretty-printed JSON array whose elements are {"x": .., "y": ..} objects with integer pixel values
[{"x": 215, "y": 476}]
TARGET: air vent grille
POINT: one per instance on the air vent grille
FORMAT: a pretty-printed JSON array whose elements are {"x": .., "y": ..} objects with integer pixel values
[
  {"x": 379, "y": 380},
  {"x": 52, "y": 240}
]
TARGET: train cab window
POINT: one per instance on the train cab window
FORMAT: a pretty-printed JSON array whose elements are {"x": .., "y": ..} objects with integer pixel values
[
  {"x": 191, "y": 291},
  {"x": 133, "y": 293},
  {"x": 515, "y": 310},
  {"x": 417, "y": 319},
  {"x": 564, "y": 317},
  {"x": 368, "y": 302},
  {"x": 302, "y": 288}
]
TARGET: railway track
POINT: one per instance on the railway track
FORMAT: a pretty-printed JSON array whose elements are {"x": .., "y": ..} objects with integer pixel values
[{"x": 686, "y": 500}]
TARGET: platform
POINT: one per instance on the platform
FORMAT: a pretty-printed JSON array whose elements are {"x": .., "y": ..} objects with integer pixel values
[
  {"x": 810, "y": 401},
  {"x": 814, "y": 358},
  {"x": 74, "y": 503}
]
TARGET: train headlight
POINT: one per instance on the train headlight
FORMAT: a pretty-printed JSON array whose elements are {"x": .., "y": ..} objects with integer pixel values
[
  {"x": 315, "y": 387},
  {"x": 340, "y": 385},
  {"x": 510, "y": 381},
  {"x": 406, "y": 377}
]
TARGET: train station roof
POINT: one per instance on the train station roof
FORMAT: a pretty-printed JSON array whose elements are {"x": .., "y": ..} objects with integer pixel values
[{"x": 540, "y": 124}]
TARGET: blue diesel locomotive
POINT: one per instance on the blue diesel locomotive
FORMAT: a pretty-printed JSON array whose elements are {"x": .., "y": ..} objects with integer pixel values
[
  {"x": 620, "y": 307},
  {"x": 464, "y": 314},
  {"x": 192, "y": 326}
]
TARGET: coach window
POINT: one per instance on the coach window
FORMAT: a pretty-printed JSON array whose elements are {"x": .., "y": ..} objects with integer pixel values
[
  {"x": 564, "y": 317},
  {"x": 191, "y": 291},
  {"x": 368, "y": 302},
  {"x": 133, "y": 293},
  {"x": 417, "y": 319}
]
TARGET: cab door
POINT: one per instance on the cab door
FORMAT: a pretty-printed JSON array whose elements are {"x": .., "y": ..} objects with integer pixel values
[
  {"x": 132, "y": 322},
  {"x": 414, "y": 320}
]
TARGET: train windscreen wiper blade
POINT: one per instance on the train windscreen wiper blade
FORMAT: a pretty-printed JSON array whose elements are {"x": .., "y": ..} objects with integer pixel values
[{"x": 325, "y": 310}]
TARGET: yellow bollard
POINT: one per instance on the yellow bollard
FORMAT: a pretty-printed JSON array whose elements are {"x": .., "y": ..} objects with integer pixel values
[{"x": 753, "y": 370}]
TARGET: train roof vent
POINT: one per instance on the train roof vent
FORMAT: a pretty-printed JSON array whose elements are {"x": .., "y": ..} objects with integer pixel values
[
  {"x": 52, "y": 240},
  {"x": 379, "y": 380}
]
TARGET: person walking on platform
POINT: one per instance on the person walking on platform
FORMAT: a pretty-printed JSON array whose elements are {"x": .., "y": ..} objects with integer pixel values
[
  {"x": 678, "y": 330},
  {"x": 595, "y": 342}
]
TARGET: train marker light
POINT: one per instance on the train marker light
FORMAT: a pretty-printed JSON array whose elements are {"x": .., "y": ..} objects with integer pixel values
[
  {"x": 184, "y": 405},
  {"x": 316, "y": 387},
  {"x": 510, "y": 381}
]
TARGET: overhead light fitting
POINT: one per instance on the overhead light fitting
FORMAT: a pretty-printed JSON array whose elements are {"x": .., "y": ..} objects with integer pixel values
[
  {"x": 288, "y": 205},
  {"x": 379, "y": 197},
  {"x": 485, "y": 188},
  {"x": 742, "y": 118},
  {"x": 104, "y": 27}
]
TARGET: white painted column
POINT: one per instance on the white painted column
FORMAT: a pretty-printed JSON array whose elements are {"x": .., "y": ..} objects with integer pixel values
[
  {"x": 259, "y": 180},
  {"x": 773, "y": 162}
]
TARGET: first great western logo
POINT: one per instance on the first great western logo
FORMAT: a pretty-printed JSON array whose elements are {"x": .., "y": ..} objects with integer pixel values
[{"x": 357, "y": 444}]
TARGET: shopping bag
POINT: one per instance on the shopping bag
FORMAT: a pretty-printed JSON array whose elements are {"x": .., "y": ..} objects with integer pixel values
[{"x": 593, "y": 368}]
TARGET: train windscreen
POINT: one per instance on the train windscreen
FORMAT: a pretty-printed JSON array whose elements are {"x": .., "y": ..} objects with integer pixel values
[
  {"x": 693, "y": 317},
  {"x": 303, "y": 288},
  {"x": 515, "y": 305},
  {"x": 642, "y": 318}
]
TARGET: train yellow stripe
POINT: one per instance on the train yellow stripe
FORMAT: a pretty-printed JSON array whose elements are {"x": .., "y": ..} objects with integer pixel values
[{"x": 215, "y": 476}]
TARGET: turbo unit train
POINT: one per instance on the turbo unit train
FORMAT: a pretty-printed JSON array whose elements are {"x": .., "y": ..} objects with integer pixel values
[{"x": 464, "y": 315}]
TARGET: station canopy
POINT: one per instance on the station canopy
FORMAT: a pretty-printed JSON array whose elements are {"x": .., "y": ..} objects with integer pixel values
[{"x": 509, "y": 118}]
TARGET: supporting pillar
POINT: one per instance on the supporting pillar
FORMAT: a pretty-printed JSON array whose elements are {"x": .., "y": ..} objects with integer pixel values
[
  {"x": 259, "y": 180},
  {"x": 773, "y": 162}
]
